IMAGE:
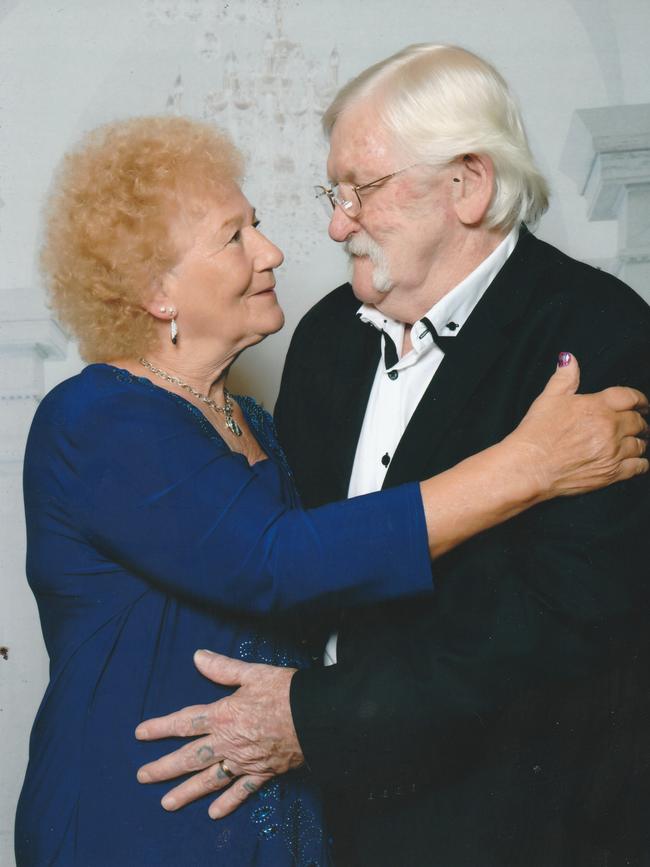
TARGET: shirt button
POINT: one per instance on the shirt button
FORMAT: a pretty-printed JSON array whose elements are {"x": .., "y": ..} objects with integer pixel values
[
  {"x": 393, "y": 374},
  {"x": 386, "y": 459}
]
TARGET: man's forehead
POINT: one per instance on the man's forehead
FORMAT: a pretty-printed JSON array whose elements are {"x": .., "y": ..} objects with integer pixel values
[{"x": 359, "y": 146}]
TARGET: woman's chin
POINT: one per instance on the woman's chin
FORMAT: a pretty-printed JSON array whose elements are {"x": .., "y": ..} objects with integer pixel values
[
  {"x": 269, "y": 325},
  {"x": 276, "y": 320}
]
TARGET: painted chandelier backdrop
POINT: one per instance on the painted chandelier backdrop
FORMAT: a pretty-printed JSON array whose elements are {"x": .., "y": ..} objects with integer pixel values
[{"x": 265, "y": 70}]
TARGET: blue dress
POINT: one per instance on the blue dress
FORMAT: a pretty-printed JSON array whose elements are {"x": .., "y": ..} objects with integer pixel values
[{"x": 147, "y": 539}]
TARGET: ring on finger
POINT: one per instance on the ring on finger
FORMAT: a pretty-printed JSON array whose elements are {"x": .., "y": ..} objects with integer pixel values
[{"x": 226, "y": 770}]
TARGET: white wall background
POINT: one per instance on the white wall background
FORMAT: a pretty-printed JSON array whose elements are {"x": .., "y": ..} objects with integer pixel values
[{"x": 265, "y": 69}]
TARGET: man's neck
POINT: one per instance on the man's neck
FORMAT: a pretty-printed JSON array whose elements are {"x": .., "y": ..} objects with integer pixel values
[
  {"x": 446, "y": 273},
  {"x": 457, "y": 303},
  {"x": 407, "y": 346}
]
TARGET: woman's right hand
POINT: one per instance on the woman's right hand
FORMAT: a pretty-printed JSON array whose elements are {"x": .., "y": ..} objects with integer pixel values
[{"x": 575, "y": 443}]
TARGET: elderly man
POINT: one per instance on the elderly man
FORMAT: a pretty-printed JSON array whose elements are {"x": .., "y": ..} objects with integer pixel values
[{"x": 477, "y": 729}]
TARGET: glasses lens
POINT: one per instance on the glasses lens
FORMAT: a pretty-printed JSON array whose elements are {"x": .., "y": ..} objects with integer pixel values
[
  {"x": 347, "y": 199},
  {"x": 342, "y": 195}
]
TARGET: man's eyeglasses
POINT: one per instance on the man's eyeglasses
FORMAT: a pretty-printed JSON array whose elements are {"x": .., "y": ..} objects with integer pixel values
[{"x": 347, "y": 197}]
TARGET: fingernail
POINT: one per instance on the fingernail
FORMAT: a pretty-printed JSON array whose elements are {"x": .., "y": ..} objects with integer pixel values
[
  {"x": 564, "y": 359},
  {"x": 143, "y": 776},
  {"x": 168, "y": 803},
  {"x": 203, "y": 651},
  {"x": 141, "y": 732},
  {"x": 214, "y": 813}
]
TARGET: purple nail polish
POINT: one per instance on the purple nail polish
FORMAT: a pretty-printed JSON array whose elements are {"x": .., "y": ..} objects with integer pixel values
[{"x": 564, "y": 359}]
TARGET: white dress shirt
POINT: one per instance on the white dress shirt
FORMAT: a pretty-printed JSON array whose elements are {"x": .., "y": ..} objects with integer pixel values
[{"x": 398, "y": 389}]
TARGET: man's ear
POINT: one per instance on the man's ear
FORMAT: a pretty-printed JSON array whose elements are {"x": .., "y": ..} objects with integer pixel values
[{"x": 473, "y": 179}]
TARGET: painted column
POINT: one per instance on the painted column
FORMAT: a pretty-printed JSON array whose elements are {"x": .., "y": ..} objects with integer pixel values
[
  {"x": 608, "y": 155},
  {"x": 27, "y": 338}
]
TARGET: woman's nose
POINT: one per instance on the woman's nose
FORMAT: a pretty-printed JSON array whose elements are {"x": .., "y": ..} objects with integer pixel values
[{"x": 271, "y": 255}]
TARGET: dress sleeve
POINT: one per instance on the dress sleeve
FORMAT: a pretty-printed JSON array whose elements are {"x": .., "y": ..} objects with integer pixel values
[{"x": 149, "y": 489}]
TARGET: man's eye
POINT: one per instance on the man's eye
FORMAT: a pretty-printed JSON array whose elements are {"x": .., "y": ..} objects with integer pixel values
[
  {"x": 255, "y": 223},
  {"x": 236, "y": 238}
]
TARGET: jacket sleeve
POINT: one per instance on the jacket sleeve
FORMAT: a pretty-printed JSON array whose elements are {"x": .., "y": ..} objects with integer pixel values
[
  {"x": 564, "y": 594},
  {"x": 156, "y": 494}
]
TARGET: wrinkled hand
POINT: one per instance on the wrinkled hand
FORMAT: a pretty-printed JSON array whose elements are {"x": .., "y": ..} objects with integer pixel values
[
  {"x": 575, "y": 443},
  {"x": 251, "y": 731}
]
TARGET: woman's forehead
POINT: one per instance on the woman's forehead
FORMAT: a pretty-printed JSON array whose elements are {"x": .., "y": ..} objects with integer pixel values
[{"x": 214, "y": 213}]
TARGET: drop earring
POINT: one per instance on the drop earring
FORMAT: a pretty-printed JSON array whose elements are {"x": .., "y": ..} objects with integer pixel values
[{"x": 173, "y": 327}]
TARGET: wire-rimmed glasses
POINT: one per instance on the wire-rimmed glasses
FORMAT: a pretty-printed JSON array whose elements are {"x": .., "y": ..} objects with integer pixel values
[{"x": 346, "y": 195}]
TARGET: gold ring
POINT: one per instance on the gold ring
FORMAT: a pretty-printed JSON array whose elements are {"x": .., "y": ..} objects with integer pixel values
[{"x": 224, "y": 767}]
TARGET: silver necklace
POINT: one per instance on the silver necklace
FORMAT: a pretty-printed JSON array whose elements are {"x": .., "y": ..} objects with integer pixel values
[{"x": 226, "y": 409}]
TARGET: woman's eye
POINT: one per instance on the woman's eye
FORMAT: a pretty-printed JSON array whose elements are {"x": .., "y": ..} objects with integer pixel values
[{"x": 236, "y": 238}]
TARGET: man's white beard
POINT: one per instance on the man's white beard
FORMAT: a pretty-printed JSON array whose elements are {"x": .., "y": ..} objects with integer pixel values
[{"x": 361, "y": 244}]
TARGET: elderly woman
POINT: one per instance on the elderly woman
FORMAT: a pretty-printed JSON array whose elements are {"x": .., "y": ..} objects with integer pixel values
[{"x": 161, "y": 514}]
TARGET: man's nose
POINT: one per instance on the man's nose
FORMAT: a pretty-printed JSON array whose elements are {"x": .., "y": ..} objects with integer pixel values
[{"x": 341, "y": 226}]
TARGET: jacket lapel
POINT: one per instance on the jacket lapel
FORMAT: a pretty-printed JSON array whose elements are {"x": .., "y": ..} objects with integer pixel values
[
  {"x": 354, "y": 362},
  {"x": 471, "y": 357}
]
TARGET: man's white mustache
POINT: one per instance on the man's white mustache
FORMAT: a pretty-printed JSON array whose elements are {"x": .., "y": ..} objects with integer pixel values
[{"x": 361, "y": 244}]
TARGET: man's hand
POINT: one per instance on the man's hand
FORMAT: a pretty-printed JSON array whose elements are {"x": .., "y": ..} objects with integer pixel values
[{"x": 250, "y": 733}]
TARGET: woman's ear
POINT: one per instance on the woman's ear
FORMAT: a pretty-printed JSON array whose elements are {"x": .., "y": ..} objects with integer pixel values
[
  {"x": 473, "y": 179},
  {"x": 158, "y": 302}
]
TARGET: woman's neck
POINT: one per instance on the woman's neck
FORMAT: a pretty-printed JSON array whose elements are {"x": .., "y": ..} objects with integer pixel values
[{"x": 208, "y": 379}]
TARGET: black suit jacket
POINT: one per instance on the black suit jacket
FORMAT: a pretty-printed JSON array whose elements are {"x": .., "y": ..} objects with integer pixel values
[{"x": 500, "y": 723}]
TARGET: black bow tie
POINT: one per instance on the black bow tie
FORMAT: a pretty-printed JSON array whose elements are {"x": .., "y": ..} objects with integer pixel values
[
  {"x": 390, "y": 352},
  {"x": 440, "y": 342}
]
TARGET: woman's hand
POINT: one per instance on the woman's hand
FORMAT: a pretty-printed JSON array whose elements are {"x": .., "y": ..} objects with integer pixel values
[
  {"x": 572, "y": 443},
  {"x": 567, "y": 443}
]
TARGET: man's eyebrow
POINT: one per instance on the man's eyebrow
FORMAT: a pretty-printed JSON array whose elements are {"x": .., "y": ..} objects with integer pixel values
[{"x": 345, "y": 178}]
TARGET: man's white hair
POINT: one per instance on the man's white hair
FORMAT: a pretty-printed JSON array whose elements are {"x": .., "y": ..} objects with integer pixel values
[{"x": 440, "y": 102}]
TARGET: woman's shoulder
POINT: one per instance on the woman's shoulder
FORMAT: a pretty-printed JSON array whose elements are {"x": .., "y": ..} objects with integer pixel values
[
  {"x": 85, "y": 393},
  {"x": 102, "y": 395}
]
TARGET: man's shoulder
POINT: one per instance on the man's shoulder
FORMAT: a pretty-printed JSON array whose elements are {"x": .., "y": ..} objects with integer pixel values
[
  {"x": 547, "y": 302},
  {"x": 337, "y": 306},
  {"x": 563, "y": 280}
]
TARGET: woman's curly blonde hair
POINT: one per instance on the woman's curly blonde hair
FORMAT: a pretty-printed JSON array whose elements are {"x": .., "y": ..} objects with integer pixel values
[{"x": 108, "y": 219}]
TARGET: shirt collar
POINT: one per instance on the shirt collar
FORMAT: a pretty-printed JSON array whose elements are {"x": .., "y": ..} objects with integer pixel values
[{"x": 449, "y": 314}]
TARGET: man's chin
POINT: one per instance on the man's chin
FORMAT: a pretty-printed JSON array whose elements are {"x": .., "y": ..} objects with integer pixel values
[
  {"x": 366, "y": 292},
  {"x": 364, "y": 282}
]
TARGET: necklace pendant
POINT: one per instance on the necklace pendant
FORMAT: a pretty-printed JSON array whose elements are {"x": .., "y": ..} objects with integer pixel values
[{"x": 232, "y": 426}]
